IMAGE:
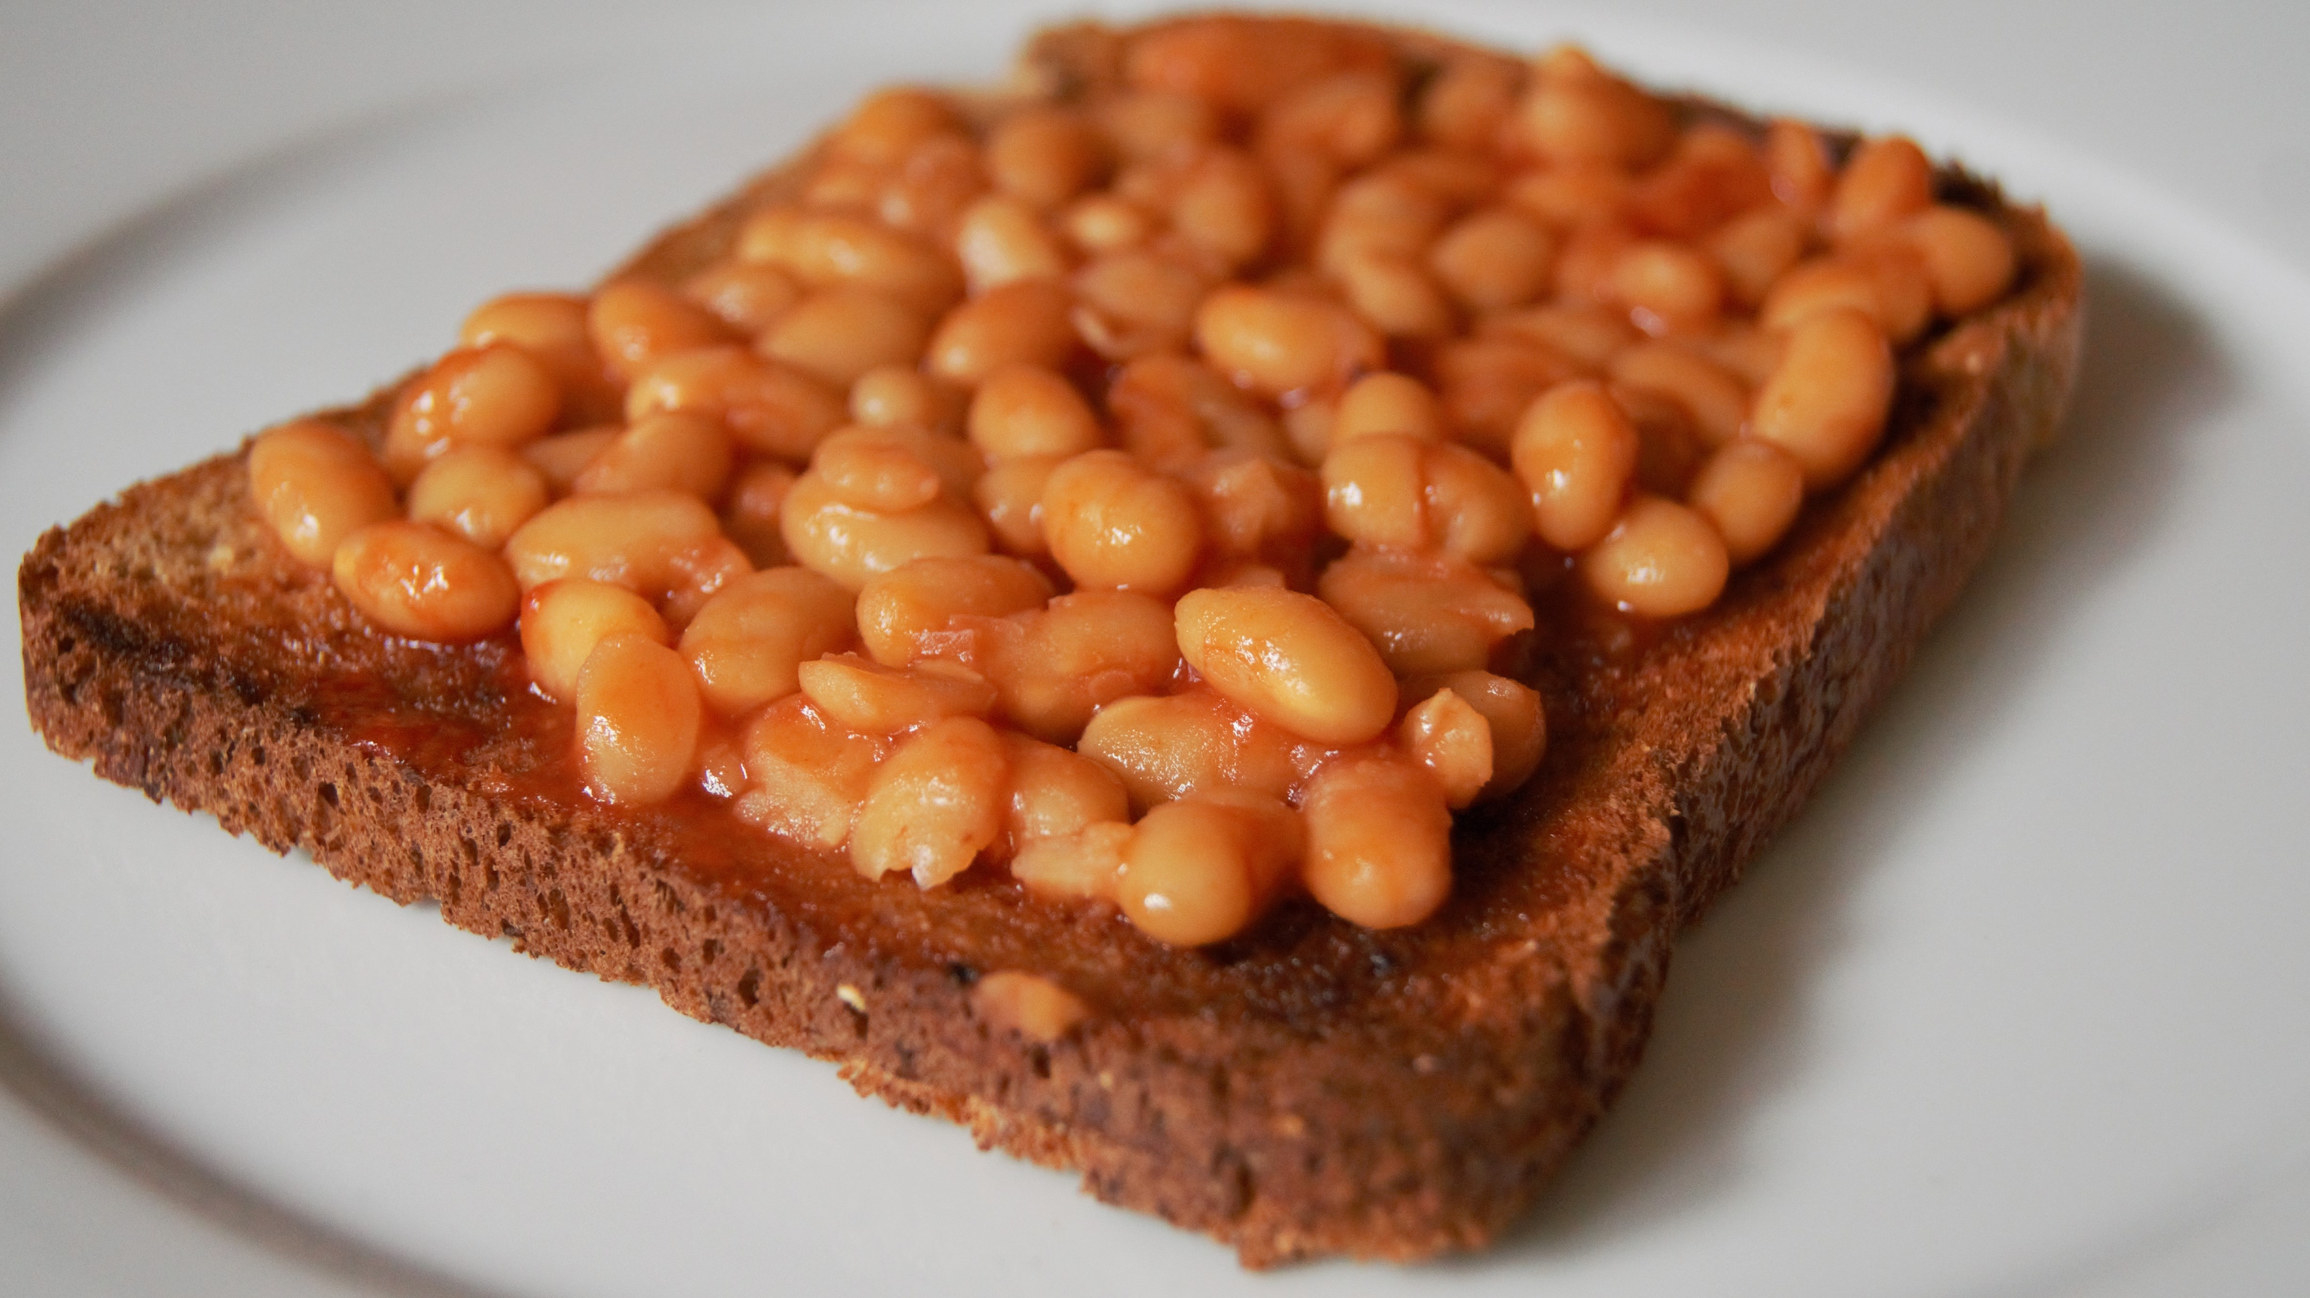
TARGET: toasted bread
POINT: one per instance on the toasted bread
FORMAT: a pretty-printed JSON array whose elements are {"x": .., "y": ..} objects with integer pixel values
[{"x": 1310, "y": 1087}]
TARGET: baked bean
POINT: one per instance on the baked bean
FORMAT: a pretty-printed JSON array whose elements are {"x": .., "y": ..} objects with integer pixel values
[
  {"x": 1887, "y": 282},
  {"x": 836, "y": 249},
  {"x": 1465, "y": 103},
  {"x": 1396, "y": 295},
  {"x": 1669, "y": 448},
  {"x": 1586, "y": 334},
  {"x": 1826, "y": 404},
  {"x": 1103, "y": 223},
  {"x": 1171, "y": 746},
  {"x": 889, "y": 123},
  {"x": 699, "y": 572},
  {"x": 750, "y": 511},
  {"x": 1223, "y": 208},
  {"x": 1000, "y": 239},
  {"x": 635, "y": 322},
  {"x": 1445, "y": 734},
  {"x": 1574, "y": 111},
  {"x": 1307, "y": 429},
  {"x": 496, "y": 394},
  {"x": 851, "y": 544},
  {"x": 1716, "y": 401},
  {"x": 1886, "y": 179},
  {"x": 1280, "y": 343},
  {"x": 1751, "y": 490},
  {"x": 1424, "y": 613},
  {"x": 926, "y": 609},
  {"x": 837, "y": 334},
  {"x": 746, "y": 296},
  {"x": 552, "y": 328},
  {"x": 635, "y": 541},
  {"x": 1028, "y": 410},
  {"x": 1201, "y": 869},
  {"x": 1029, "y": 1004},
  {"x": 1242, "y": 63},
  {"x": 1486, "y": 385},
  {"x": 1290, "y": 658},
  {"x": 1755, "y": 249},
  {"x": 1588, "y": 265},
  {"x": 1044, "y": 156},
  {"x": 747, "y": 643},
  {"x": 892, "y": 396},
  {"x": 1077, "y": 867},
  {"x": 808, "y": 774},
  {"x": 1379, "y": 842},
  {"x": 481, "y": 493},
  {"x": 1968, "y": 258},
  {"x": 1668, "y": 287},
  {"x": 1494, "y": 258},
  {"x": 1573, "y": 195},
  {"x": 1576, "y": 449},
  {"x": 771, "y": 408},
  {"x": 1082, "y": 652},
  {"x": 845, "y": 184},
  {"x": 1747, "y": 352},
  {"x": 934, "y": 804},
  {"x": 1379, "y": 215},
  {"x": 867, "y": 696},
  {"x": 1143, "y": 124},
  {"x": 562, "y": 621},
  {"x": 1113, "y": 524},
  {"x": 1170, "y": 410},
  {"x": 1056, "y": 791},
  {"x": 1660, "y": 559},
  {"x": 1009, "y": 496},
  {"x": 1352, "y": 118},
  {"x": 1373, "y": 491},
  {"x": 1475, "y": 509},
  {"x": 1133, "y": 302},
  {"x": 417, "y": 581},
  {"x": 671, "y": 450},
  {"x": 315, "y": 484},
  {"x": 1386, "y": 402},
  {"x": 1711, "y": 175},
  {"x": 928, "y": 193},
  {"x": 1798, "y": 161},
  {"x": 1020, "y": 323},
  {"x": 876, "y": 468},
  {"x": 637, "y": 720},
  {"x": 1511, "y": 709},
  {"x": 1255, "y": 506},
  {"x": 561, "y": 457}
]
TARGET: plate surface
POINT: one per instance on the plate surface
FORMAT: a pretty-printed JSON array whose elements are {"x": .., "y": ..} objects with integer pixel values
[{"x": 2017, "y": 1006}]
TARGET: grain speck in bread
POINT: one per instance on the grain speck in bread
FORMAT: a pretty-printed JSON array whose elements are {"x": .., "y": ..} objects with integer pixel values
[{"x": 1308, "y": 1088}]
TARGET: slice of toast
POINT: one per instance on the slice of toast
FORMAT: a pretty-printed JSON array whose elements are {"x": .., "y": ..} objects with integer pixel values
[{"x": 1310, "y": 1087}]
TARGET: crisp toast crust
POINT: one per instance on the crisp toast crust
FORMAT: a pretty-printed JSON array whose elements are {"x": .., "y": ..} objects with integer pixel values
[{"x": 1308, "y": 1088}]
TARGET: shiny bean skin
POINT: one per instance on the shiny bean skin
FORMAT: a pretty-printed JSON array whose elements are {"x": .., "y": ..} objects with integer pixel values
[
  {"x": 1885, "y": 180},
  {"x": 1511, "y": 708},
  {"x": 1398, "y": 296},
  {"x": 748, "y": 641},
  {"x": 890, "y": 123},
  {"x": 1170, "y": 410},
  {"x": 831, "y": 249},
  {"x": 479, "y": 492},
  {"x": 1716, "y": 400},
  {"x": 1661, "y": 559},
  {"x": 837, "y": 334},
  {"x": 750, "y": 511},
  {"x": 1001, "y": 240},
  {"x": 1290, "y": 658},
  {"x": 1280, "y": 343},
  {"x": 636, "y": 322},
  {"x": 1424, "y": 613},
  {"x": 770, "y": 408},
  {"x": 497, "y": 394},
  {"x": 1171, "y": 746},
  {"x": 1826, "y": 405},
  {"x": 931, "y": 186},
  {"x": 900, "y": 396},
  {"x": 851, "y": 545},
  {"x": 1009, "y": 496},
  {"x": 1379, "y": 842},
  {"x": 746, "y": 296},
  {"x": 926, "y": 608},
  {"x": 882, "y": 469},
  {"x": 635, "y": 541},
  {"x": 1081, "y": 866},
  {"x": 638, "y": 720},
  {"x": 316, "y": 484},
  {"x": 1201, "y": 869},
  {"x": 1576, "y": 450},
  {"x": 1667, "y": 287},
  {"x": 1586, "y": 334},
  {"x": 563, "y": 456},
  {"x": 1445, "y": 734},
  {"x": 1465, "y": 104},
  {"x": 1029, "y": 1004},
  {"x": 1134, "y": 301},
  {"x": 670, "y": 451},
  {"x": 1494, "y": 258},
  {"x": 1388, "y": 489},
  {"x": 1751, "y": 490},
  {"x": 1487, "y": 384},
  {"x": 552, "y": 328},
  {"x": 1755, "y": 248},
  {"x": 934, "y": 804},
  {"x": 1351, "y": 118},
  {"x": 417, "y": 581},
  {"x": 807, "y": 773},
  {"x": 1044, "y": 156},
  {"x": 1027, "y": 322},
  {"x": 1386, "y": 402},
  {"x": 869, "y": 697},
  {"x": 1969, "y": 259},
  {"x": 1798, "y": 163},
  {"x": 1112, "y": 524},
  {"x": 1028, "y": 410},
  {"x": 1223, "y": 207},
  {"x": 1056, "y": 791},
  {"x": 1104, "y": 223},
  {"x": 1888, "y": 282},
  {"x": 1082, "y": 652},
  {"x": 1256, "y": 507},
  {"x": 562, "y": 621},
  {"x": 1574, "y": 111}
]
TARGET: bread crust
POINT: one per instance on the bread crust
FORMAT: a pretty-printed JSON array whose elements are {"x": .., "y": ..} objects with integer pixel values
[{"x": 1307, "y": 1089}]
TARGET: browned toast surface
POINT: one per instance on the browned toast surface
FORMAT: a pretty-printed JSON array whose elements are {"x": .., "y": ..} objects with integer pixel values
[{"x": 1309, "y": 1087}]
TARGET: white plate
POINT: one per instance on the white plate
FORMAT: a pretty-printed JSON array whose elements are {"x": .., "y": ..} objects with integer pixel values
[{"x": 2017, "y": 1006}]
